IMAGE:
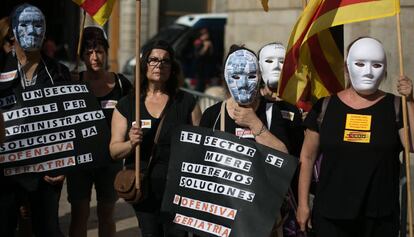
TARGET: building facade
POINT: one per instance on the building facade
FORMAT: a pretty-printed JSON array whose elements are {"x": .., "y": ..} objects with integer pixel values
[{"x": 250, "y": 25}]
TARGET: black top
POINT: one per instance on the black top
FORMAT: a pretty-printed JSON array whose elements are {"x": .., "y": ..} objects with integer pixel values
[
  {"x": 360, "y": 168},
  {"x": 212, "y": 116},
  {"x": 58, "y": 72},
  {"x": 108, "y": 102},
  {"x": 292, "y": 119},
  {"x": 178, "y": 113}
]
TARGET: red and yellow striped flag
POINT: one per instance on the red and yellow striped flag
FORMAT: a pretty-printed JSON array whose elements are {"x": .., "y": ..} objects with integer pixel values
[
  {"x": 99, "y": 10},
  {"x": 313, "y": 65}
]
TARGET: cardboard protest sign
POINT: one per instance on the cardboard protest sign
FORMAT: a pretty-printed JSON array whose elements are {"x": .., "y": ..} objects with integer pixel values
[
  {"x": 221, "y": 185},
  {"x": 52, "y": 129}
]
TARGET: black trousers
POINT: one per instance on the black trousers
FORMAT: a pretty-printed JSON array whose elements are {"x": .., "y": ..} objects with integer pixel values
[
  {"x": 44, "y": 208},
  {"x": 8, "y": 212}
]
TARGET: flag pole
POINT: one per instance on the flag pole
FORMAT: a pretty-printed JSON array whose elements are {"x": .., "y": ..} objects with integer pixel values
[
  {"x": 82, "y": 26},
  {"x": 137, "y": 86},
  {"x": 406, "y": 133}
]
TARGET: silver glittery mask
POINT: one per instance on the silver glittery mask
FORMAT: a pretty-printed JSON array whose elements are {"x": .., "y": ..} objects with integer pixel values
[
  {"x": 242, "y": 76},
  {"x": 29, "y": 27}
]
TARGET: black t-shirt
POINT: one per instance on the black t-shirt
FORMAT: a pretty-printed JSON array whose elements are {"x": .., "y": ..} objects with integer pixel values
[
  {"x": 211, "y": 118},
  {"x": 178, "y": 113},
  {"x": 108, "y": 102},
  {"x": 359, "y": 172},
  {"x": 292, "y": 119}
]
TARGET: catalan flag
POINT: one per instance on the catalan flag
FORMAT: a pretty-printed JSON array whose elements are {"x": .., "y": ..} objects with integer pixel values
[
  {"x": 99, "y": 10},
  {"x": 313, "y": 65}
]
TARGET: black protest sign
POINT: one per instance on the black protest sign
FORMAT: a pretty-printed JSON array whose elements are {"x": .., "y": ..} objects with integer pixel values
[
  {"x": 221, "y": 185},
  {"x": 52, "y": 129}
]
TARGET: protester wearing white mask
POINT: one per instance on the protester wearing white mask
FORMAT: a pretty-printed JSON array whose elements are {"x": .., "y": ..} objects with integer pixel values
[
  {"x": 244, "y": 110},
  {"x": 271, "y": 59},
  {"x": 359, "y": 133}
]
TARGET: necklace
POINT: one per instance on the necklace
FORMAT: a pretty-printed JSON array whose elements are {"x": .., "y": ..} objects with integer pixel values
[{"x": 25, "y": 81}]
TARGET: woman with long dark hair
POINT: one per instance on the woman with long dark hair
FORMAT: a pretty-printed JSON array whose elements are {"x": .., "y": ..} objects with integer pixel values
[{"x": 160, "y": 97}]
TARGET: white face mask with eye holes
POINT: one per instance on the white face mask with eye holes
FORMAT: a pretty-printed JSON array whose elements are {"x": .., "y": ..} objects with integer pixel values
[
  {"x": 241, "y": 73},
  {"x": 271, "y": 61},
  {"x": 366, "y": 63}
]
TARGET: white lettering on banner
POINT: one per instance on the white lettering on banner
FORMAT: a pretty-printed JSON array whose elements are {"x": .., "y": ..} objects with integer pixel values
[
  {"x": 190, "y": 137},
  {"x": 177, "y": 199},
  {"x": 30, "y": 111},
  {"x": 55, "y": 123},
  {"x": 85, "y": 158},
  {"x": 204, "y": 226},
  {"x": 36, "y": 152},
  {"x": 216, "y": 188},
  {"x": 226, "y": 160},
  {"x": 41, "y": 167},
  {"x": 74, "y": 104},
  {"x": 8, "y": 100},
  {"x": 274, "y": 160},
  {"x": 34, "y": 141},
  {"x": 32, "y": 95},
  {"x": 64, "y": 90},
  {"x": 208, "y": 207},
  {"x": 216, "y": 172},
  {"x": 89, "y": 132},
  {"x": 229, "y": 145}
]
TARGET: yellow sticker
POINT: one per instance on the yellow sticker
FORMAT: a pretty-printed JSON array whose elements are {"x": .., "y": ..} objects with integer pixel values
[
  {"x": 358, "y": 122},
  {"x": 357, "y": 136}
]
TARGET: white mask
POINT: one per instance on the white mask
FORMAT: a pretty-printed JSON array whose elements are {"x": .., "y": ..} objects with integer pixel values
[
  {"x": 29, "y": 27},
  {"x": 271, "y": 61},
  {"x": 242, "y": 76},
  {"x": 366, "y": 63}
]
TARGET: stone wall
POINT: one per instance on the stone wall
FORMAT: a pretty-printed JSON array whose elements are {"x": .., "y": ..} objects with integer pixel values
[{"x": 127, "y": 27}]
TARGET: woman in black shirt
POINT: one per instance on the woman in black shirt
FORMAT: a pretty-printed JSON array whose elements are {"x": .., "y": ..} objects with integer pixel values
[
  {"x": 160, "y": 97},
  {"x": 360, "y": 140},
  {"x": 108, "y": 87}
]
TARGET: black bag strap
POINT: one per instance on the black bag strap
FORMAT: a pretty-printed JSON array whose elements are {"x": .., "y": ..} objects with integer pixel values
[
  {"x": 325, "y": 103},
  {"x": 120, "y": 83},
  {"x": 157, "y": 133}
]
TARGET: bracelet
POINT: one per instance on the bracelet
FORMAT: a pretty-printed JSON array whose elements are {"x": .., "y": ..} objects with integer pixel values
[{"x": 262, "y": 130}]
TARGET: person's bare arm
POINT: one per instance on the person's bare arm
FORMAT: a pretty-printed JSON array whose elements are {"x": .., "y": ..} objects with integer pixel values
[
  {"x": 196, "y": 115},
  {"x": 405, "y": 88},
  {"x": 119, "y": 147},
  {"x": 246, "y": 117},
  {"x": 308, "y": 155}
]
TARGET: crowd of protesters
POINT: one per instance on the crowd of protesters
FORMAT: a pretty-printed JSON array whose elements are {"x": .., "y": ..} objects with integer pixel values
[{"x": 358, "y": 189}]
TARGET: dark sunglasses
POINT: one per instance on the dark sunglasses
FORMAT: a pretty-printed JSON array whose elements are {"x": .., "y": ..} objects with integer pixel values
[{"x": 156, "y": 61}]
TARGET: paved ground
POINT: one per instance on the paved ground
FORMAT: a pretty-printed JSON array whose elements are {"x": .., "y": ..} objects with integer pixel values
[{"x": 126, "y": 222}]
